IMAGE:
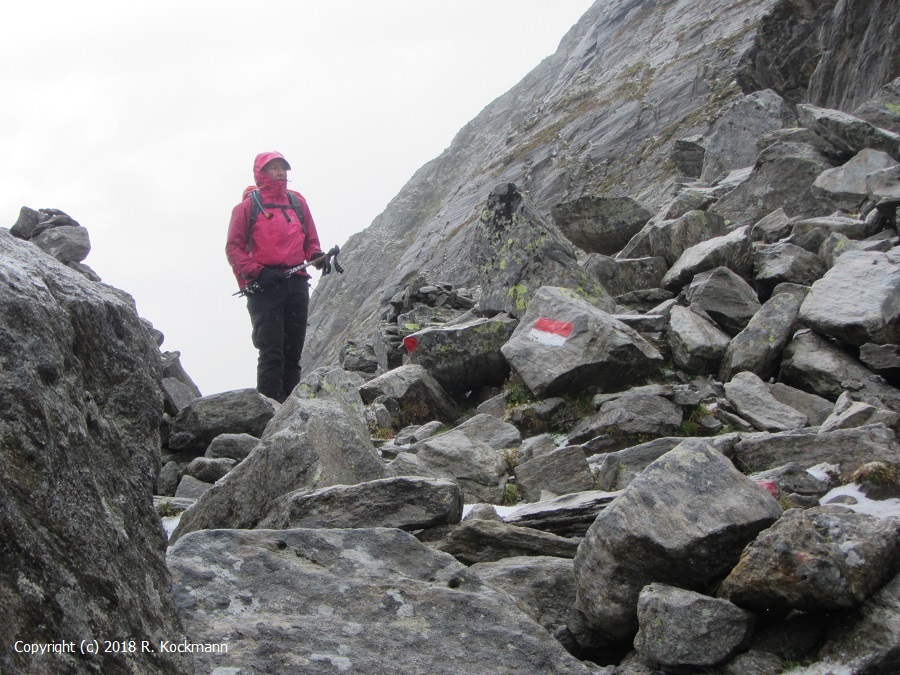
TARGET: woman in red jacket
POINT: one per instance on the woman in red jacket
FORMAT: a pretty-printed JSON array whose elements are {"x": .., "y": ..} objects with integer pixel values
[{"x": 263, "y": 243}]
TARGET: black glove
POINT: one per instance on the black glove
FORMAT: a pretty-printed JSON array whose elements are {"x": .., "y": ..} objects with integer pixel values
[
  {"x": 320, "y": 262},
  {"x": 270, "y": 275}
]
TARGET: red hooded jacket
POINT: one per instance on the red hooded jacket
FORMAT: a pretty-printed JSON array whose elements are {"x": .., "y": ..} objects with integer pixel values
[{"x": 277, "y": 240}]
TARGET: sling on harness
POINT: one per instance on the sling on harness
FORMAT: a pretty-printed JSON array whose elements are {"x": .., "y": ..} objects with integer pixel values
[{"x": 330, "y": 260}]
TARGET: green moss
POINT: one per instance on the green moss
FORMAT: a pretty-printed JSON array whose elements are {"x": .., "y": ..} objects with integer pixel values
[{"x": 510, "y": 494}]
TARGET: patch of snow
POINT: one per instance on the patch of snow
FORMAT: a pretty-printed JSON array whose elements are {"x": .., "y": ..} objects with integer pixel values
[
  {"x": 824, "y": 471},
  {"x": 170, "y": 523},
  {"x": 502, "y": 511},
  {"x": 885, "y": 508}
]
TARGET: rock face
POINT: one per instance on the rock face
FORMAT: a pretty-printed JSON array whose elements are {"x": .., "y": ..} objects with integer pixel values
[
  {"x": 83, "y": 552},
  {"x": 596, "y": 118}
]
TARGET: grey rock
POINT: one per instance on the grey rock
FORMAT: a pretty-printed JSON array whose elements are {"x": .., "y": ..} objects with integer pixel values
[
  {"x": 359, "y": 357},
  {"x": 517, "y": 251},
  {"x": 543, "y": 586},
  {"x": 657, "y": 530},
  {"x": 792, "y": 479},
  {"x": 408, "y": 503},
  {"x": 600, "y": 224},
  {"x": 475, "y": 541},
  {"x": 866, "y": 639},
  {"x": 626, "y": 275},
  {"x": 167, "y": 480},
  {"x": 178, "y": 395},
  {"x": 780, "y": 263},
  {"x": 845, "y": 186},
  {"x": 848, "y": 414},
  {"x": 883, "y": 360},
  {"x": 635, "y": 415},
  {"x": 559, "y": 472},
  {"x": 67, "y": 244},
  {"x": 463, "y": 354},
  {"x": 805, "y": 228},
  {"x": 883, "y": 188},
  {"x": 731, "y": 143},
  {"x": 316, "y": 439},
  {"x": 235, "y": 412},
  {"x": 816, "y": 408},
  {"x": 771, "y": 228},
  {"x": 172, "y": 368},
  {"x": 191, "y": 488},
  {"x": 816, "y": 365},
  {"x": 758, "y": 347},
  {"x": 731, "y": 250},
  {"x": 367, "y": 596},
  {"x": 232, "y": 446},
  {"x": 568, "y": 515},
  {"x": 668, "y": 239},
  {"x": 680, "y": 628},
  {"x": 208, "y": 470},
  {"x": 617, "y": 469},
  {"x": 754, "y": 402},
  {"x": 596, "y": 350},
  {"x": 477, "y": 467},
  {"x": 782, "y": 178},
  {"x": 847, "y": 448},
  {"x": 846, "y": 133},
  {"x": 818, "y": 559},
  {"x": 419, "y": 395},
  {"x": 688, "y": 155},
  {"x": 725, "y": 297},
  {"x": 858, "y": 300},
  {"x": 697, "y": 345},
  {"x": 497, "y": 434},
  {"x": 83, "y": 552},
  {"x": 881, "y": 110}
]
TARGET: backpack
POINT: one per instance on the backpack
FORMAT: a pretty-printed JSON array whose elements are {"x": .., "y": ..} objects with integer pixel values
[{"x": 257, "y": 207}]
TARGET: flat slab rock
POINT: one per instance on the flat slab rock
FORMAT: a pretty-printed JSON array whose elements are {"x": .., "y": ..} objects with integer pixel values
[{"x": 361, "y": 601}]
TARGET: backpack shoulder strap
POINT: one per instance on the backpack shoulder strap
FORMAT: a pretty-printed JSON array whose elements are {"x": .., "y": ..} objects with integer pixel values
[
  {"x": 298, "y": 209},
  {"x": 256, "y": 207}
]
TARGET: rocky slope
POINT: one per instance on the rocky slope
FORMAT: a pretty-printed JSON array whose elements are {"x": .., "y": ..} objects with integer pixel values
[{"x": 680, "y": 376}]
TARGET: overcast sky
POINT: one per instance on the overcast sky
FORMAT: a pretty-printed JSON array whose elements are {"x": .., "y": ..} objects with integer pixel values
[{"x": 141, "y": 121}]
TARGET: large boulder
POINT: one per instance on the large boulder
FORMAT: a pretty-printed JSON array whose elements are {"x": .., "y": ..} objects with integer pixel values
[
  {"x": 517, "y": 251},
  {"x": 849, "y": 449},
  {"x": 233, "y": 412},
  {"x": 724, "y": 297},
  {"x": 684, "y": 521},
  {"x": 782, "y": 178},
  {"x": 685, "y": 629},
  {"x": 732, "y": 250},
  {"x": 83, "y": 553},
  {"x": 758, "y": 347},
  {"x": 669, "y": 238},
  {"x": 349, "y": 600},
  {"x": 697, "y": 344},
  {"x": 568, "y": 515},
  {"x": 731, "y": 143},
  {"x": 463, "y": 354},
  {"x": 318, "y": 438},
  {"x": 821, "y": 559},
  {"x": 626, "y": 275},
  {"x": 600, "y": 224},
  {"x": 564, "y": 343},
  {"x": 755, "y": 403},
  {"x": 858, "y": 300},
  {"x": 419, "y": 396},
  {"x": 775, "y": 264},
  {"x": 845, "y": 186},
  {"x": 846, "y": 133}
]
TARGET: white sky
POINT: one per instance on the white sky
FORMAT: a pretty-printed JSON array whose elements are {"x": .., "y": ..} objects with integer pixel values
[{"x": 141, "y": 121}]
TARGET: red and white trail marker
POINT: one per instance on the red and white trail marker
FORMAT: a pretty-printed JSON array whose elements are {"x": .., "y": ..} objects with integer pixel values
[{"x": 550, "y": 332}]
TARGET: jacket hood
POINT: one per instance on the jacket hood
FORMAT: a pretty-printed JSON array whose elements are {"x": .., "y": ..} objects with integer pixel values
[{"x": 267, "y": 186}]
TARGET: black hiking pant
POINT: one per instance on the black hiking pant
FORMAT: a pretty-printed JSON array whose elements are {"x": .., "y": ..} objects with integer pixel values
[{"x": 278, "y": 315}]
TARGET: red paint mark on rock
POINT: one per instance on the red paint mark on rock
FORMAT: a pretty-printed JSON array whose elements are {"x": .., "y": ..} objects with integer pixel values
[
  {"x": 411, "y": 344},
  {"x": 551, "y": 332}
]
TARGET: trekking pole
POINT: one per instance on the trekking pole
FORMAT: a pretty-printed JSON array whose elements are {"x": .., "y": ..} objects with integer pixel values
[{"x": 325, "y": 263}]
